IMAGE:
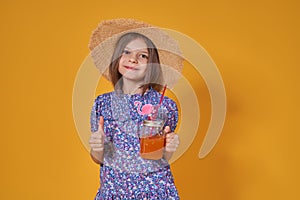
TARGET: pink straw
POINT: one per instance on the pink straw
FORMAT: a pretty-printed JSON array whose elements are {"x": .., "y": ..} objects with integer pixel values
[
  {"x": 163, "y": 94},
  {"x": 157, "y": 107}
]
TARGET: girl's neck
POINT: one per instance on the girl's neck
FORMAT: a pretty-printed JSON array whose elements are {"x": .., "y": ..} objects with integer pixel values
[{"x": 130, "y": 87}]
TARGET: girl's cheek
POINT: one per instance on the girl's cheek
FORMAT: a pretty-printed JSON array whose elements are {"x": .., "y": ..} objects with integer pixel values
[{"x": 119, "y": 69}]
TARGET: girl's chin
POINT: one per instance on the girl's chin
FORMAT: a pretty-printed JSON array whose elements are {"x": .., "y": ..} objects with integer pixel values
[{"x": 132, "y": 77}]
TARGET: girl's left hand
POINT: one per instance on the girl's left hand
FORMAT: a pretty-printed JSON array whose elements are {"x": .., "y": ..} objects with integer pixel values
[{"x": 172, "y": 140}]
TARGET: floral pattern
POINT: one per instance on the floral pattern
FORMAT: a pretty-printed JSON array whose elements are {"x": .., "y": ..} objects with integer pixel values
[{"x": 124, "y": 174}]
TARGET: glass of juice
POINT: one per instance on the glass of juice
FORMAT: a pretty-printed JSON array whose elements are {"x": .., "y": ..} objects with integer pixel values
[{"x": 152, "y": 138}]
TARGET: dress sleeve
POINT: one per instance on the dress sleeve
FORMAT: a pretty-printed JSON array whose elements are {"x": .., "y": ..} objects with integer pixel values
[
  {"x": 172, "y": 115},
  {"x": 95, "y": 115}
]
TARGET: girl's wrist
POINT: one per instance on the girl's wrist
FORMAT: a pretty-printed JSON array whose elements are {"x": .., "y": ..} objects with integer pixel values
[{"x": 167, "y": 155}]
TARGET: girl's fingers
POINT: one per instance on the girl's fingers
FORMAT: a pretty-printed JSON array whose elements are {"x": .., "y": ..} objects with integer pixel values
[
  {"x": 97, "y": 145},
  {"x": 97, "y": 148},
  {"x": 97, "y": 135},
  {"x": 170, "y": 136},
  {"x": 95, "y": 141},
  {"x": 96, "y": 138},
  {"x": 172, "y": 142}
]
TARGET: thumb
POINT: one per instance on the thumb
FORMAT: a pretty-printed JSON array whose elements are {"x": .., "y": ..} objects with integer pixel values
[
  {"x": 101, "y": 123},
  {"x": 167, "y": 129}
]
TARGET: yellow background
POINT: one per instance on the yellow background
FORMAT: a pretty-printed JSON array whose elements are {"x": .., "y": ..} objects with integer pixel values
[{"x": 255, "y": 45}]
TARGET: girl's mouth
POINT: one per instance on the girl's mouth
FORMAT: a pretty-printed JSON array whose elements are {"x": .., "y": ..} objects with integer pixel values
[{"x": 130, "y": 68}]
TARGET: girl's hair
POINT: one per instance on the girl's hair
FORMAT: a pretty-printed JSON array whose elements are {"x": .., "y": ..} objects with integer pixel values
[{"x": 153, "y": 77}]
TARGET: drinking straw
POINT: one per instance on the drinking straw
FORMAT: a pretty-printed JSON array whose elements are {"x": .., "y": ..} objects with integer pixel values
[
  {"x": 156, "y": 110},
  {"x": 160, "y": 102},
  {"x": 162, "y": 95},
  {"x": 161, "y": 99}
]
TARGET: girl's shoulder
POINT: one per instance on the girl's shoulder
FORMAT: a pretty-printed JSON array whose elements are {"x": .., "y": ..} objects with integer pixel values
[
  {"x": 105, "y": 97},
  {"x": 168, "y": 100},
  {"x": 102, "y": 105},
  {"x": 169, "y": 103}
]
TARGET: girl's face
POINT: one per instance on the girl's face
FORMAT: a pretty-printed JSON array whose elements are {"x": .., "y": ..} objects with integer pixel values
[{"x": 133, "y": 61}]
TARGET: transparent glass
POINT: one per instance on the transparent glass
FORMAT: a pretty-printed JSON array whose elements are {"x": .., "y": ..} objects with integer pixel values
[{"x": 152, "y": 136}]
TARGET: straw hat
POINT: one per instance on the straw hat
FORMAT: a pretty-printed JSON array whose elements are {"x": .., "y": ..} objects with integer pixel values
[{"x": 105, "y": 36}]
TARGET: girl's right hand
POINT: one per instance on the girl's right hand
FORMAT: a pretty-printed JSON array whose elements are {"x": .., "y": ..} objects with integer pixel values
[{"x": 97, "y": 138}]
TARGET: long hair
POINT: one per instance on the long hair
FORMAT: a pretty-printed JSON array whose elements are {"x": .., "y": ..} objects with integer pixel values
[{"x": 153, "y": 77}]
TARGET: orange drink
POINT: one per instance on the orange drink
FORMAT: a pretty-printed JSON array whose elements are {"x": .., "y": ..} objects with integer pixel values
[
  {"x": 152, "y": 147},
  {"x": 152, "y": 140}
]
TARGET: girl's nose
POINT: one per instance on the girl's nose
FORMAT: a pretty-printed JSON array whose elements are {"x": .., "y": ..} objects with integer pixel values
[{"x": 133, "y": 58}]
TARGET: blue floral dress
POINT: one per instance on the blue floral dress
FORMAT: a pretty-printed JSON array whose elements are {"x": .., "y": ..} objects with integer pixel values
[{"x": 123, "y": 173}]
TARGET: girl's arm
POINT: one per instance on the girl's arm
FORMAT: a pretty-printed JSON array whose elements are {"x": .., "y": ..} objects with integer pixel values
[
  {"x": 168, "y": 155},
  {"x": 172, "y": 139}
]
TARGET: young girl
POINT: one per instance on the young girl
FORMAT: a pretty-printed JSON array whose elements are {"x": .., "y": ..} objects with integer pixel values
[{"x": 117, "y": 118}]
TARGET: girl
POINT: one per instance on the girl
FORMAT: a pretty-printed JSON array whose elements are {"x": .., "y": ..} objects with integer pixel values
[{"x": 117, "y": 117}]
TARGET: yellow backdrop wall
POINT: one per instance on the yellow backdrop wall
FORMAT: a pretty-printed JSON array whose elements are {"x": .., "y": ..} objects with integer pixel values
[{"x": 255, "y": 45}]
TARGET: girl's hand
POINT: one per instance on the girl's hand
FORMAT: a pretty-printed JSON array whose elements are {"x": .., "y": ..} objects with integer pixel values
[
  {"x": 97, "y": 138},
  {"x": 172, "y": 140}
]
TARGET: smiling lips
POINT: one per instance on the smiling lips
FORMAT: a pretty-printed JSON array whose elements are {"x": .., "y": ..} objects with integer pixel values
[{"x": 130, "y": 68}]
